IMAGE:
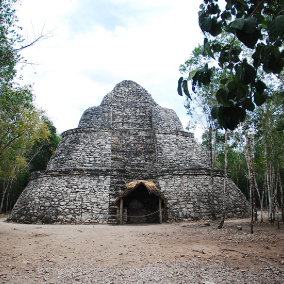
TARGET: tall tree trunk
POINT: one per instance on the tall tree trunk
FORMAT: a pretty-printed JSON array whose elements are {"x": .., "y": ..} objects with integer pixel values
[
  {"x": 251, "y": 178},
  {"x": 281, "y": 193},
  {"x": 260, "y": 197},
  {"x": 211, "y": 179},
  {"x": 6, "y": 189},
  {"x": 225, "y": 183}
]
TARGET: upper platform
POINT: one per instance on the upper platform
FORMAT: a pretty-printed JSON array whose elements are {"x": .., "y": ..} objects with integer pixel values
[{"x": 129, "y": 106}]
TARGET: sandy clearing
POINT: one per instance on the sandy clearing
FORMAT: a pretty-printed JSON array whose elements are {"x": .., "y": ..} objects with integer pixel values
[{"x": 27, "y": 249}]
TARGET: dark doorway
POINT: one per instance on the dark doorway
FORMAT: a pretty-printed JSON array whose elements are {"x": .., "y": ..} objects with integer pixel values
[{"x": 142, "y": 207}]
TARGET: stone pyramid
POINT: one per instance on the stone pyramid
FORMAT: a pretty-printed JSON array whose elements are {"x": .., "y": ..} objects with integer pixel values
[{"x": 128, "y": 138}]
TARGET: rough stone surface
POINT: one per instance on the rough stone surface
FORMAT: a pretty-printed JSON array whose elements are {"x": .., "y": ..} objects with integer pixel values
[{"x": 128, "y": 137}]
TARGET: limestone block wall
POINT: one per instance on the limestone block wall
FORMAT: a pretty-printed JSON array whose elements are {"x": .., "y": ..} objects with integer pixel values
[
  {"x": 133, "y": 148},
  {"x": 98, "y": 118},
  {"x": 127, "y": 91},
  {"x": 165, "y": 120},
  {"x": 82, "y": 148},
  {"x": 235, "y": 201},
  {"x": 189, "y": 197},
  {"x": 179, "y": 151},
  {"x": 64, "y": 199},
  {"x": 186, "y": 197},
  {"x": 133, "y": 143}
]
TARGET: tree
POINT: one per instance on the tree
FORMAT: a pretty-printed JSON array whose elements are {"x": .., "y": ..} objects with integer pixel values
[
  {"x": 203, "y": 99},
  {"x": 11, "y": 42},
  {"x": 8, "y": 38},
  {"x": 269, "y": 121},
  {"x": 36, "y": 158},
  {"x": 21, "y": 126},
  {"x": 259, "y": 26}
]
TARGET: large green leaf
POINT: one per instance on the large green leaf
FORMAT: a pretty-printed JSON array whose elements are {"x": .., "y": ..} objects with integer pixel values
[
  {"x": 239, "y": 72},
  {"x": 185, "y": 88},
  {"x": 245, "y": 73},
  {"x": 205, "y": 23},
  {"x": 275, "y": 61},
  {"x": 249, "y": 39},
  {"x": 230, "y": 117},
  {"x": 238, "y": 23},
  {"x": 260, "y": 99},
  {"x": 179, "y": 89},
  {"x": 222, "y": 97},
  {"x": 276, "y": 27},
  {"x": 214, "y": 112},
  {"x": 248, "y": 104},
  {"x": 250, "y": 25},
  {"x": 250, "y": 74},
  {"x": 216, "y": 27},
  {"x": 260, "y": 86},
  {"x": 231, "y": 85}
]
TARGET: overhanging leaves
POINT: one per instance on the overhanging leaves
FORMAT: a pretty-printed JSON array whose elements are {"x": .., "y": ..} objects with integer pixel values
[
  {"x": 254, "y": 23},
  {"x": 222, "y": 97},
  {"x": 276, "y": 27},
  {"x": 249, "y": 39},
  {"x": 205, "y": 23},
  {"x": 245, "y": 73},
  {"x": 260, "y": 98},
  {"x": 230, "y": 117},
  {"x": 215, "y": 111},
  {"x": 250, "y": 25},
  {"x": 238, "y": 23},
  {"x": 179, "y": 89},
  {"x": 183, "y": 87}
]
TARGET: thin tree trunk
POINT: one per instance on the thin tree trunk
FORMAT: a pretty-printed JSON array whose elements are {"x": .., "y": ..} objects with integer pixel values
[
  {"x": 225, "y": 183},
  {"x": 211, "y": 179},
  {"x": 251, "y": 178},
  {"x": 15, "y": 172},
  {"x": 6, "y": 189},
  {"x": 281, "y": 194},
  {"x": 260, "y": 201}
]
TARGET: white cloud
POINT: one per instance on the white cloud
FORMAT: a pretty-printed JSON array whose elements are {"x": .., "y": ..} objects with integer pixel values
[
  {"x": 198, "y": 132},
  {"x": 166, "y": 105},
  {"x": 184, "y": 120},
  {"x": 76, "y": 69}
]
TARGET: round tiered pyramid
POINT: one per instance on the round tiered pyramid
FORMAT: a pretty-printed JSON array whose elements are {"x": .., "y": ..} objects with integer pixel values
[{"x": 128, "y": 139}]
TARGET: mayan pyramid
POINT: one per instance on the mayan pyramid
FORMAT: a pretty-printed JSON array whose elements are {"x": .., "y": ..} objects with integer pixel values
[{"x": 128, "y": 161}]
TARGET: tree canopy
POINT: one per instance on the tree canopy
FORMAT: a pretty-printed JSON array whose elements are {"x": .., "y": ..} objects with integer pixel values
[
  {"x": 9, "y": 37},
  {"x": 258, "y": 26},
  {"x": 27, "y": 137}
]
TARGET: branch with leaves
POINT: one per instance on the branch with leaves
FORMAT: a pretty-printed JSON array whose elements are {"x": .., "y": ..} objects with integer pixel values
[{"x": 257, "y": 25}]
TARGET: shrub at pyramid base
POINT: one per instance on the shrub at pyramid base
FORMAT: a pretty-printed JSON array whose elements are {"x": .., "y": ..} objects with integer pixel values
[{"x": 129, "y": 161}]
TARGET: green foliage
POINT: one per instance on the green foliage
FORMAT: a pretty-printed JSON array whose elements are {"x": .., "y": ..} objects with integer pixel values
[
  {"x": 42, "y": 150},
  {"x": 21, "y": 125},
  {"x": 8, "y": 39},
  {"x": 36, "y": 158},
  {"x": 23, "y": 130},
  {"x": 27, "y": 137},
  {"x": 256, "y": 25}
]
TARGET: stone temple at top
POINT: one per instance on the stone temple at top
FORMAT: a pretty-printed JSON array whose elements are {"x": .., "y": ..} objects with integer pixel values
[{"x": 128, "y": 161}]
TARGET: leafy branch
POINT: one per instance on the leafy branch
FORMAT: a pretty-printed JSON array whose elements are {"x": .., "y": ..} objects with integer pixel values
[{"x": 258, "y": 26}]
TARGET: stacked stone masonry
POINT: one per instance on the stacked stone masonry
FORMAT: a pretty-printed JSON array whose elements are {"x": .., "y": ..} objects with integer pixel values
[{"x": 128, "y": 137}]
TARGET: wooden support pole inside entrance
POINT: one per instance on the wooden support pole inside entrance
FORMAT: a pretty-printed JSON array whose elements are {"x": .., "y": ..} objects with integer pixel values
[
  {"x": 121, "y": 211},
  {"x": 160, "y": 211}
]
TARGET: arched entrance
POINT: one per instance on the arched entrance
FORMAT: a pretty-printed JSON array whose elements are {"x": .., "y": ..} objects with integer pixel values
[{"x": 142, "y": 202}]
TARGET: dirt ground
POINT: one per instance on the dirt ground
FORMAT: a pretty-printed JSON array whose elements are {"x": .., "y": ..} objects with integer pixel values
[{"x": 26, "y": 249}]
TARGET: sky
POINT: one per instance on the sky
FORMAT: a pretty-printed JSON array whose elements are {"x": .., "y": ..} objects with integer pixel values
[{"x": 94, "y": 44}]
